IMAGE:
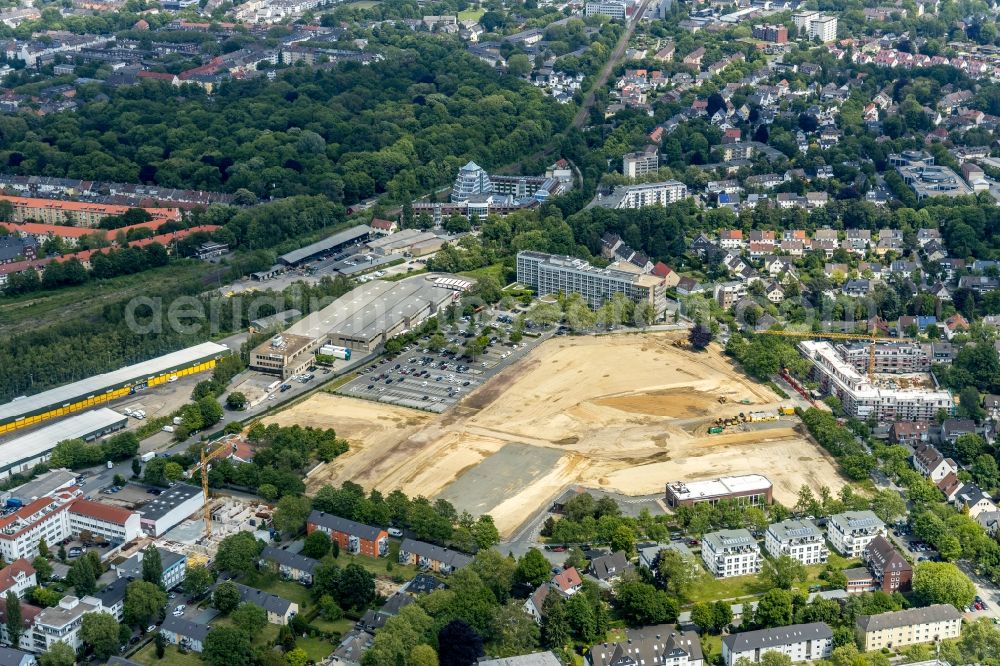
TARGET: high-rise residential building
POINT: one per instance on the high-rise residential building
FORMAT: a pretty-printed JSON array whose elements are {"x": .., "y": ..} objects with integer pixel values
[
  {"x": 646, "y": 194},
  {"x": 639, "y": 164},
  {"x": 471, "y": 180},
  {"x": 553, "y": 274},
  {"x": 824, "y": 28}
]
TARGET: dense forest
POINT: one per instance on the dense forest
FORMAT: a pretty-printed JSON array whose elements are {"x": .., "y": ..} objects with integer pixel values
[{"x": 401, "y": 126}]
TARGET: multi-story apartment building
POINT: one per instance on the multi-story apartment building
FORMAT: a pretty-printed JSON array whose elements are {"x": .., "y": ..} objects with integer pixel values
[
  {"x": 803, "y": 18},
  {"x": 609, "y": 8},
  {"x": 851, "y": 532},
  {"x": 660, "y": 644},
  {"x": 62, "y": 622},
  {"x": 77, "y": 213},
  {"x": 174, "y": 567},
  {"x": 17, "y": 577},
  {"x": 352, "y": 537},
  {"x": 45, "y": 518},
  {"x": 771, "y": 33},
  {"x": 931, "y": 463},
  {"x": 553, "y": 274},
  {"x": 823, "y": 28},
  {"x": 862, "y": 398},
  {"x": 428, "y": 556},
  {"x": 892, "y": 357},
  {"x": 639, "y": 164},
  {"x": 908, "y": 627},
  {"x": 730, "y": 553},
  {"x": 888, "y": 567},
  {"x": 645, "y": 194},
  {"x": 801, "y": 642},
  {"x": 799, "y": 539}
]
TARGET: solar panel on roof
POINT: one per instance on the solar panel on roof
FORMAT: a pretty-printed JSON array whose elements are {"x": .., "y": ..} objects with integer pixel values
[{"x": 800, "y": 531}]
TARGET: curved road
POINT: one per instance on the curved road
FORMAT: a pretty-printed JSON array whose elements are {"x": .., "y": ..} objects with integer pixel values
[{"x": 616, "y": 56}]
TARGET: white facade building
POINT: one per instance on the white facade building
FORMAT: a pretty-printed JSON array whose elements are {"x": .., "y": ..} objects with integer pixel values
[
  {"x": 168, "y": 509},
  {"x": 801, "y": 642},
  {"x": 62, "y": 622},
  {"x": 646, "y": 194},
  {"x": 639, "y": 164},
  {"x": 111, "y": 522},
  {"x": 730, "y": 553},
  {"x": 823, "y": 28},
  {"x": 850, "y": 532},
  {"x": 799, "y": 539},
  {"x": 609, "y": 8}
]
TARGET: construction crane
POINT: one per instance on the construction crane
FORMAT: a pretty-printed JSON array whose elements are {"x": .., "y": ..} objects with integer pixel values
[
  {"x": 220, "y": 452},
  {"x": 871, "y": 338}
]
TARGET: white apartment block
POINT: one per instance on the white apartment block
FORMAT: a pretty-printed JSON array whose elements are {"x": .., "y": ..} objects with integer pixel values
[
  {"x": 804, "y": 18},
  {"x": 639, "y": 164},
  {"x": 908, "y": 627},
  {"x": 801, "y": 642},
  {"x": 892, "y": 357},
  {"x": 62, "y": 622},
  {"x": 611, "y": 9},
  {"x": 799, "y": 539},
  {"x": 824, "y": 28},
  {"x": 730, "y": 553},
  {"x": 553, "y": 274},
  {"x": 862, "y": 399},
  {"x": 646, "y": 194},
  {"x": 850, "y": 532}
]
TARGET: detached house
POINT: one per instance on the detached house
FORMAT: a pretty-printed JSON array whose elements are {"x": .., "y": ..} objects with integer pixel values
[
  {"x": 609, "y": 568},
  {"x": 566, "y": 583}
]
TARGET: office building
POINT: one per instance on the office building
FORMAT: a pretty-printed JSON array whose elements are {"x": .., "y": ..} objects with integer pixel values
[
  {"x": 62, "y": 623},
  {"x": 174, "y": 567},
  {"x": 641, "y": 163},
  {"x": 800, "y": 642},
  {"x": 908, "y": 627},
  {"x": 730, "y": 553},
  {"x": 642, "y": 195},
  {"x": 554, "y": 274},
  {"x": 472, "y": 179},
  {"x": 749, "y": 489},
  {"x": 851, "y": 532},
  {"x": 609, "y": 8},
  {"x": 799, "y": 539},
  {"x": 934, "y": 181},
  {"x": 862, "y": 399},
  {"x": 114, "y": 523},
  {"x": 169, "y": 508}
]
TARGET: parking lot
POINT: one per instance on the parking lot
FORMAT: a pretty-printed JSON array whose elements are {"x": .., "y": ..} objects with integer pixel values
[{"x": 436, "y": 380}]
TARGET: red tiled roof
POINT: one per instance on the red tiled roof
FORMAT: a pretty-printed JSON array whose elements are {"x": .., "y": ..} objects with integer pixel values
[
  {"x": 105, "y": 512},
  {"x": 567, "y": 579},
  {"x": 8, "y": 573},
  {"x": 28, "y": 612}
]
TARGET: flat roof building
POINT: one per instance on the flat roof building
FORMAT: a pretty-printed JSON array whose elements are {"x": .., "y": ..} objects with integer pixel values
[
  {"x": 93, "y": 391},
  {"x": 42, "y": 486},
  {"x": 851, "y": 532},
  {"x": 752, "y": 489},
  {"x": 933, "y": 181},
  {"x": 168, "y": 509},
  {"x": 332, "y": 243},
  {"x": 23, "y": 453},
  {"x": 729, "y": 553},
  {"x": 798, "y": 539},
  {"x": 553, "y": 274},
  {"x": 645, "y": 194}
]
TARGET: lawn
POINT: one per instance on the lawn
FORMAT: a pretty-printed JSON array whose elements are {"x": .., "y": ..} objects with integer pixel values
[
  {"x": 711, "y": 647},
  {"x": 363, "y": 4},
  {"x": 265, "y": 637},
  {"x": 714, "y": 589},
  {"x": 471, "y": 14},
  {"x": 282, "y": 588},
  {"x": 316, "y": 648},
  {"x": 341, "y": 626},
  {"x": 377, "y": 565},
  {"x": 496, "y": 270},
  {"x": 147, "y": 657}
]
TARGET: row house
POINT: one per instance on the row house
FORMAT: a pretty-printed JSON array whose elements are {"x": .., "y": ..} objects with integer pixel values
[
  {"x": 928, "y": 461},
  {"x": 431, "y": 557},
  {"x": 351, "y": 536}
]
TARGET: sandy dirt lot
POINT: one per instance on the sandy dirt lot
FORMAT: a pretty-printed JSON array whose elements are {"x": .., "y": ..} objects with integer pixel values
[{"x": 626, "y": 413}]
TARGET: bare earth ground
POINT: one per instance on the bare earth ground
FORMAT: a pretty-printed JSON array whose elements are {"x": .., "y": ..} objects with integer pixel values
[{"x": 626, "y": 413}]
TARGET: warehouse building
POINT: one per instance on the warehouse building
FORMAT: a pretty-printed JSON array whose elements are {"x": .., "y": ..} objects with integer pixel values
[
  {"x": 361, "y": 320},
  {"x": 331, "y": 244},
  {"x": 165, "y": 511},
  {"x": 96, "y": 390},
  {"x": 750, "y": 489},
  {"x": 22, "y": 454}
]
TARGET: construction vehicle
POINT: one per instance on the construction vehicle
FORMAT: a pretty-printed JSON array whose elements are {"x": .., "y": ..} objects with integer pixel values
[
  {"x": 723, "y": 399},
  {"x": 872, "y": 339},
  {"x": 715, "y": 430},
  {"x": 221, "y": 452},
  {"x": 787, "y": 411}
]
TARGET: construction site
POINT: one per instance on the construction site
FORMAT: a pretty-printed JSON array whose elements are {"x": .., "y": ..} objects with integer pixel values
[{"x": 625, "y": 413}]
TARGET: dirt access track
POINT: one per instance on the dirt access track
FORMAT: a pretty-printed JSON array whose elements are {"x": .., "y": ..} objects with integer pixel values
[{"x": 626, "y": 413}]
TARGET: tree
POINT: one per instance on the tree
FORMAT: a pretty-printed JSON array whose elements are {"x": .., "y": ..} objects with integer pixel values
[
  {"x": 783, "y": 571},
  {"x": 82, "y": 577},
  {"x": 296, "y": 657},
  {"x": 172, "y": 471},
  {"x": 496, "y": 572},
  {"x": 969, "y": 404},
  {"x": 197, "y": 580},
  {"x": 42, "y": 567},
  {"x": 774, "y": 609},
  {"x": 888, "y": 505},
  {"x": 14, "y": 619},
  {"x": 43, "y": 548},
  {"x": 236, "y": 401},
  {"x": 291, "y": 513},
  {"x": 515, "y": 632},
  {"x": 485, "y": 533},
  {"x": 676, "y": 573},
  {"x": 519, "y": 65},
  {"x": 316, "y": 545},
  {"x": 249, "y": 618},
  {"x": 723, "y": 615},
  {"x": 356, "y": 587},
  {"x": 703, "y": 615},
  {"x": 700, "y": 336},
  {"x": 942, "y": 583},
  {"x": 237, "y": 553},
  {"x": 423, "y": 655},
  {"x": 623, "y": 539},
  {"x": 533, "y": 569},
  {"x": 775, "y": 658},
  {"x": 100, "y": 632},
  {"x": 58, "y": 654},
  {"x": 119, "y": 480},
  {"x": 640, "y": 604},
  {"x": 226, "y": 597},
  {"x": 152, "y": 565},
  {"x": 459, "y": 644},
  {"x": 144, "y": 602},
  {"x": 161, "y": 645},
  {"x": 227, "y": 645}
]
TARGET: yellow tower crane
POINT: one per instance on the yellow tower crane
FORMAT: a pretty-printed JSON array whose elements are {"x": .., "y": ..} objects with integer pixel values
[
  {"x": 207, "y": 457},
  {"x": 872, "y": 339}
]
